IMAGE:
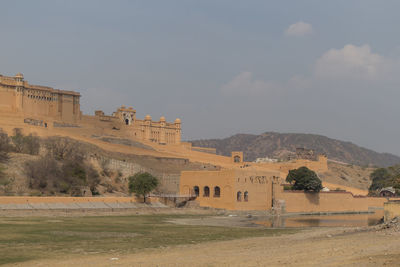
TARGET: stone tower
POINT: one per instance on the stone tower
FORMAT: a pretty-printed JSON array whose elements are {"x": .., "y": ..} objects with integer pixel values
[{"x": 19, "y": 91}]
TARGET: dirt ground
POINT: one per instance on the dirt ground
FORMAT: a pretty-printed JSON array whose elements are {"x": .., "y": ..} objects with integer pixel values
[{"x": 312, "y": 247}]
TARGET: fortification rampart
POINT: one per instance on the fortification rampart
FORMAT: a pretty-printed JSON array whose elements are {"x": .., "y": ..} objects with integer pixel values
[
  {"x": 76, "y": 203},
  {"x": 320, "y": 165},
  {"x": 298, "y": 201},
  {"x": 392, "y": 210}
]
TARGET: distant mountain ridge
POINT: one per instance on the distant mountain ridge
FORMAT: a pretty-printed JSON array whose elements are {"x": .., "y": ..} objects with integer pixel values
[{"x": 270, "y": 144}]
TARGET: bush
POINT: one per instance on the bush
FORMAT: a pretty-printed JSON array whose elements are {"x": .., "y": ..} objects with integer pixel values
[
  {"x": 67, "y": 177},
  {"x": 25, "y": 144},
  {"x": 142, "y": 184},
  {"x": 42, "y": 173},
  {"x": 304, "y": 179},
  {"x": 287, "y": 187},
  {"x": 5, "y": 146},
  {"x": 61, "y": 148}
]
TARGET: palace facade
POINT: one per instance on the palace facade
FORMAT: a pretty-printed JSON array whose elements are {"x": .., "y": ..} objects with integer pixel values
[
  {"x": 18, "y": 96},
  {"x": 161, "y": 131},
  {"x": 49, "y": 107}
]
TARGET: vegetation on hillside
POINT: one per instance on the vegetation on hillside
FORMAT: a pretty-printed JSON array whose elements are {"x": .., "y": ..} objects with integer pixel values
[
  {"x": 385, "y": 177},
  {"x": 27, "y": 144},
  {"x": 5, "y": 147},
  {"x": 61, "y": 168},
  {"x": 142, "y": 184},
  {"x": 304, "y": 179},
  {"x": 272, "y": 144}
]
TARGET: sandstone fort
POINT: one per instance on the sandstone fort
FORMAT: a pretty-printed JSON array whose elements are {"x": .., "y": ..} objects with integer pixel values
[{"x": 186, "y": 172}]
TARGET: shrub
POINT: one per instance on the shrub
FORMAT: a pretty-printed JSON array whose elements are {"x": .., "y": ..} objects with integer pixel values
[
  {"x": 5, "y": 146},
  {"x": 61, "y": 148},
  {"x": 25, "y": 144},
  {"x": 42, "y": 173},
  {"x": 66, "y": 177},
  {"x": 287, "y": 187}
]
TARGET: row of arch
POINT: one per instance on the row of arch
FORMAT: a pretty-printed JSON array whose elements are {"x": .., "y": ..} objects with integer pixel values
[
  {"x": 206, "y": 191},
  {"x": 42, "y": 97},
  {"x": 245, "y": 196},
  {"x": 217, "y": 193}
]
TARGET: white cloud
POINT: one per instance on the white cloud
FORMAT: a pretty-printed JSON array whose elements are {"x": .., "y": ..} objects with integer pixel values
[
  {"x": 245, "y": 84},
  {"x": 354, "y": 62},
  {"x": 350, "y": 68},
  {"x": 299, "y": 29}
]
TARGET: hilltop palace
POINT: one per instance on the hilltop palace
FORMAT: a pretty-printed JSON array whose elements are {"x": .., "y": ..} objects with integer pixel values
[
  {"x": 216, "y": 181},
  {"x": 48, "y": 107}
]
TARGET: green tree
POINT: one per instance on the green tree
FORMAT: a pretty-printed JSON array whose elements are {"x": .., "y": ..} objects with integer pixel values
[
  {"x": 142, "y": 184},
  {"x": 380, "y": 178},
  {"x": 304, "y": 179}
]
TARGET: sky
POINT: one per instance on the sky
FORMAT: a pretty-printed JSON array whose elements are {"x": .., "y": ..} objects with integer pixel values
[{"x": 222, "y": 67}]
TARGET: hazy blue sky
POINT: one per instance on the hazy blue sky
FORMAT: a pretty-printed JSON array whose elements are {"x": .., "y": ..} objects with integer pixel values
[{"x": 223, "y": 67}]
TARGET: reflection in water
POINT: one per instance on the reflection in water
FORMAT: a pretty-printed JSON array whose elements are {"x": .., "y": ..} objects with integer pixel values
[{"x": 345, "y": 220}]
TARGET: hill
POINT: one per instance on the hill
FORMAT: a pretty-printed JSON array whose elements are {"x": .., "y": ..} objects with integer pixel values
[{"x": 271, "y": 144}]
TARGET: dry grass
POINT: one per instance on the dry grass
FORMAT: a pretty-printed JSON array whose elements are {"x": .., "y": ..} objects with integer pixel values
[{"x": 30, "y": 238}]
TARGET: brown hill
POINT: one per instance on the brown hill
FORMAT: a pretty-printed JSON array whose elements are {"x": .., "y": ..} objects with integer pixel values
[{"x": 271, "y": 144}]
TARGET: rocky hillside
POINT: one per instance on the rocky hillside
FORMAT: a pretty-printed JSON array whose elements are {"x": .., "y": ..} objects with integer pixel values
[{"x": 273, "y": 144}]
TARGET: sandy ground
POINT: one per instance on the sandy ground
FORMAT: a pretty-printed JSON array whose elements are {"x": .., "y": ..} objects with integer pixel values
[{"x": 311, "y": 247}]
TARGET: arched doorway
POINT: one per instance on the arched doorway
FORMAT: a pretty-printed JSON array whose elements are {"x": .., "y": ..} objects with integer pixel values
[
  {"x": 217, "y": 191},
  {"x": 196, "y": 190},
  {"x": 206, "y": 191}
]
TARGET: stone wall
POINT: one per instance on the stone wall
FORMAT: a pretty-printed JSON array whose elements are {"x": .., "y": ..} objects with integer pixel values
[
  {"x": 392, "y": 210},
  {"x": 169, "y": 182}
]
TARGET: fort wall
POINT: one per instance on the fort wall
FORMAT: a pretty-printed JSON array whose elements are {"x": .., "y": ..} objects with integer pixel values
[
  {"x": 320, "y": 165},
  {"x": 298, "y": 201},
  {"x": 19, "y": 200},
  {"x": 60, "y": 107},
  {"x": 17, "y": 95},
  {"x": 391, "y": 210},
  {"x": 263, "y": 188}
]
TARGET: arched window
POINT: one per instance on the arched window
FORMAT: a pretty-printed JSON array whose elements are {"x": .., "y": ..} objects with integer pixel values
[
  {"x": 246, "y": 196},
  {"x": 126, "y": 121},
  {"x": 196, "y": 190},
  {"x": 239, "y": 196},
  {"x": 217, "y": 191},
  {"x": 236, "y": 159},
  {"x": 206, "y": 191}
]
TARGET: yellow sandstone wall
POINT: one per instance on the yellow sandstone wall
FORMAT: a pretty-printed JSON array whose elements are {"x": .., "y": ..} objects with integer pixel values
[
  {"x": 65, "y": 200},
  {"x": 321, "y": 165},
  {"x": 392, "y": 210},
  {"x": 257, "y": 184},
  {"x": 323, "y": 202},
  {"x": 223, "y": 179}
]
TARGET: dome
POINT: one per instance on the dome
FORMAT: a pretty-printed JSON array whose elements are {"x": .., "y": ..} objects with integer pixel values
[
  {"x": 178, "y": 121},
  {"x": 162, "y": 119},
  {"x": 19, "y": 75},
  {"x": 148, "y": 117}
]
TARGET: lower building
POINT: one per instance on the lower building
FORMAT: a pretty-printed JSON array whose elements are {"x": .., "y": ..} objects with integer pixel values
[{"x": 232, "y": 189}]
